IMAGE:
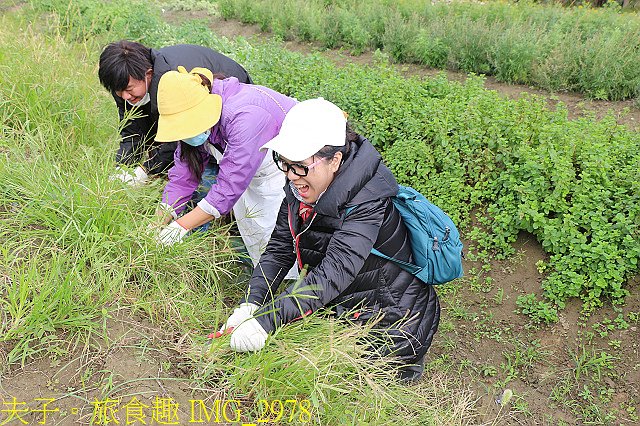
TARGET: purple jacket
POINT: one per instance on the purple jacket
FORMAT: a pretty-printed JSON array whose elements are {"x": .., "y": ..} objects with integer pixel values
[{"x": 251, "y": 116}]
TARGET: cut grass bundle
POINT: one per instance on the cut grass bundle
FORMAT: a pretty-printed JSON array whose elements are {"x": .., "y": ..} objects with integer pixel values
[{"x": 326, "y": 361}]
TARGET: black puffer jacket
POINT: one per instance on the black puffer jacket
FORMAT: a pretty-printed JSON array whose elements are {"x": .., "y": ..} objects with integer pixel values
[
  {"x": 342, "y": 272},
  {"x": 138, "y": 135}
]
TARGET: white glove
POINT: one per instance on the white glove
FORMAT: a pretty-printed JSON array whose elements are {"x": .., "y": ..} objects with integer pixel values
[
  {"x": 248, "y": 336},
  {"x": 171, "y": 234},
  {"x": 239, "y": 315},
  {"x": 136, "y": 177},
  {"x": 168, "y": 210}
]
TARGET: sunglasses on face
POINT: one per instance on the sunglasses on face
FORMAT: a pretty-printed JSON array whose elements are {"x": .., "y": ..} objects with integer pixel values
[{"x": 297, "y": 169}]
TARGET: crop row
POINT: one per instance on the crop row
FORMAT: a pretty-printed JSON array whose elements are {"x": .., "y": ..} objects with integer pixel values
[{"x": 586, "y": 50}]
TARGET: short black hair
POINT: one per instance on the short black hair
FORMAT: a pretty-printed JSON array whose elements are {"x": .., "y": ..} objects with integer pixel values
[{"x": 121, "y": 60}]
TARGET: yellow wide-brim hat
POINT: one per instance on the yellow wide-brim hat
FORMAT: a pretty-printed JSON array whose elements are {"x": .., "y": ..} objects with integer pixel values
[{"x": 185, "y": 106}]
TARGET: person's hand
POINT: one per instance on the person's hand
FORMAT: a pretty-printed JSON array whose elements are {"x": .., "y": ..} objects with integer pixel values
[
  {"x": 239, "y": 315},
  {"x": 171, "y": 234},
  {"x": 133, "y": 177},
  {"x": 164, "y": 214},
  {"x": 248, "y": 336}
]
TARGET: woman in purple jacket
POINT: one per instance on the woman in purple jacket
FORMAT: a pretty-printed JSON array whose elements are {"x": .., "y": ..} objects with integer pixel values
[{"x": 226, "y": 121}]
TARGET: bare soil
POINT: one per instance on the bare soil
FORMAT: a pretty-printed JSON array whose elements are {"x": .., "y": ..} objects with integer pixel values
[
  {"x": 546, "y": 366},
  {"x": 130, "y": 362}
]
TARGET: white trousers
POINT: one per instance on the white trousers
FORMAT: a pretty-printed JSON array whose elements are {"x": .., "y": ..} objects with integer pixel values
[{"x": 257, "y": 209}]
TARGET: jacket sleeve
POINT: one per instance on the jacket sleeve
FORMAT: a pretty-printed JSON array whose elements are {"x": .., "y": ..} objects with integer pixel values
[
  {"x": 182, "y": 183},
  {"x": 160, "y": 157},
  {"x": 133, "y": 135},
  {"x": 274, "y": 262},
  {"x": 247, "y": 131},
  {"x": 346, "y": 253}
]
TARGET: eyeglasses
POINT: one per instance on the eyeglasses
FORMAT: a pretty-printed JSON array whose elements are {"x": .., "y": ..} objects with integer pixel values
[{"x": 297, "y": 169}]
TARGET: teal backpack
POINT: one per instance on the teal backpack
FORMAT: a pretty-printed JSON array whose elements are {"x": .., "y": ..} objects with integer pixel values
[{"x": 435, "y": 241}]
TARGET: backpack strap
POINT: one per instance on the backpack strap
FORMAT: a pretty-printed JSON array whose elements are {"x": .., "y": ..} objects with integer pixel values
[{"x": 409, "y": 267}]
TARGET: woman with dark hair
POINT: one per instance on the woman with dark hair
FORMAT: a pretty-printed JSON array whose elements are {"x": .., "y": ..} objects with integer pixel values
[
  {"x": 223, "y": 122},
  {"x": 130, "y": 71},
  {"x": 331, "y": 171}
]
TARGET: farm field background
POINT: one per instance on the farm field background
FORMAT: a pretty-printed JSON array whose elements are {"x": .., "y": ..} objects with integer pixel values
[
  {"x": 92, "y": 309},
  {"x": 582, "y": 49}
]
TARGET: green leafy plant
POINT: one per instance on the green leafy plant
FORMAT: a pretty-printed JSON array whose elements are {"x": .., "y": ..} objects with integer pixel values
[{"x": 538, "y": 311}]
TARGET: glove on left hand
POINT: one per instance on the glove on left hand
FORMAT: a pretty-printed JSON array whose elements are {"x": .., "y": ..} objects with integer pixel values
[
  {"x": 248, "y": 337},
  {"x": 171, "y": 234},
  {"x": 136, "y": 177}
]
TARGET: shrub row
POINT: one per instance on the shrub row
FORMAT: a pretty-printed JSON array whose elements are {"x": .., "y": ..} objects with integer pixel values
[{"x": 591, "y": 51}]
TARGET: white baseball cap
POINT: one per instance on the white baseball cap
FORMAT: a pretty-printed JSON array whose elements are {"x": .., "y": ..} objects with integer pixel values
[{"x": 307, "y": 128}]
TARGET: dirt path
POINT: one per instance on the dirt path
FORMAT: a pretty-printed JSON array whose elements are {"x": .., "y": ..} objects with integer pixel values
[{"x": 626, "y": 112}]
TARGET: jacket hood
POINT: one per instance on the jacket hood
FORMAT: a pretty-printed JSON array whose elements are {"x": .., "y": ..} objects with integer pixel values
[
  {"x": 226, "y": 88},
  {"x": 362, "y": 177},
  {"x": 223, "y": 87}
]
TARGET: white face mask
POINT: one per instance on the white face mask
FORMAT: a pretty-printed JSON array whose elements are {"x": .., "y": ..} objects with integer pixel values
[{"x": 145, "y": 99}]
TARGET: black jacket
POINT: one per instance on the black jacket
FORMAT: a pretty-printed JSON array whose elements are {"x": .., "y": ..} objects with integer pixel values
[
  {"x": 342, "y": 272},
  {"x": 138, "y": 135}
]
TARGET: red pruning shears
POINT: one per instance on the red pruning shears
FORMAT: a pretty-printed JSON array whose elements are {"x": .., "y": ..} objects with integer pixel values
[{"x": 217, "y": 334}]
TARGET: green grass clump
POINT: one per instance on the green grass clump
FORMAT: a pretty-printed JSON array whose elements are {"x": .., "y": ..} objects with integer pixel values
[
  {"x": 324, "y": 361},
  {"x": 74, "y": 242}
]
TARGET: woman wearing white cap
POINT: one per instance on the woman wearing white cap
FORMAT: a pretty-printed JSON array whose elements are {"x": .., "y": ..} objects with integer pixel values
[
  {"x": 223, "y": 121},
  {"x": 330, "y": 169}
]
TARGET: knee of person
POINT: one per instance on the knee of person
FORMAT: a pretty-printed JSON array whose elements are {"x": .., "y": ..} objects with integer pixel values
[{"x": 411, "y": 373}]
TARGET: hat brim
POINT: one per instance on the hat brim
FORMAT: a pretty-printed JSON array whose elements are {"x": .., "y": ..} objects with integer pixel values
[
  {"x": 190, "y": 122},
  {"x": 290, "y": 151}
]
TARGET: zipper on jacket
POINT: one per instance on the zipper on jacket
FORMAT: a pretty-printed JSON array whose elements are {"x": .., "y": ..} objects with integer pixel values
[{"x": 296, "y": 238}]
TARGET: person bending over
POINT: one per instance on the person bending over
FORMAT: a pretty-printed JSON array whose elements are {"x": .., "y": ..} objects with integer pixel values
[
  {"x": 225, "y": 122},
  {"x": 131, "y": 72},
  {"x": 330, "y": 169}
]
